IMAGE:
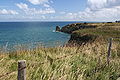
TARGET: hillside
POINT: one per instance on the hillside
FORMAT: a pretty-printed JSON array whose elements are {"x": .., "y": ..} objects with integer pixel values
[{"x": 89, "y": 32}]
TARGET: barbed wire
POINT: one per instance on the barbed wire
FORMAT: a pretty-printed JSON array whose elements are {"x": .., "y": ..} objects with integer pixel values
[{"x": 8, "y": 73}]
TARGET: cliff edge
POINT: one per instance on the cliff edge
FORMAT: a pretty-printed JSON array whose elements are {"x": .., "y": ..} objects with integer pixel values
[{"x": 90, "y": 32}]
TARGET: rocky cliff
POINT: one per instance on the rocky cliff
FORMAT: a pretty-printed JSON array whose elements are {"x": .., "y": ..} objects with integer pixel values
[{"x": 90, "y": 32}]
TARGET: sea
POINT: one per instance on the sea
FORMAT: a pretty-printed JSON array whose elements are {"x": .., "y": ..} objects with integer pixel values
[{"x": 32, "y": 34}]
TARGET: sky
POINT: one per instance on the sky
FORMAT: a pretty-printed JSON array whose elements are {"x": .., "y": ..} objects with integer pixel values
[{"x": 59, "y": 10}]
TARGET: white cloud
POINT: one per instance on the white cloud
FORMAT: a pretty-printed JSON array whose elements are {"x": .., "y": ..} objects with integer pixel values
[
  {"x": 8, "y": 12},
  {"x": 43, "y": 17},
  {"x": 36, "y": 2},
  {"x": 34, "y": 11},
  {"x": 104, "y": 14},
  {"x": 103, "y": 10},
  {"x": 98, "y": 4},
  {"x": 46, "y": 5},
  {"x": 23, "y": 6},
  {"x": 33, "y": 17},
  {"x": 71, "y": 15},
  {"x": 97, "y": 10}
]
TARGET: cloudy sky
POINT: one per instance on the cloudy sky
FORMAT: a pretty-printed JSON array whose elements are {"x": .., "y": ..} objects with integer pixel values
[{"x": 59, "y": 10}]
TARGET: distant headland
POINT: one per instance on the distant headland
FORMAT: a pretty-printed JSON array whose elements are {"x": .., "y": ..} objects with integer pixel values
[{"x": 90, "y": 32}]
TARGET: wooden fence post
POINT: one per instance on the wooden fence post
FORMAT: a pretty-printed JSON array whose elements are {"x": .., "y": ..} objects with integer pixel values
[
  {"x": 109, "y": 50},
  {"x": 22, "y": 70}
]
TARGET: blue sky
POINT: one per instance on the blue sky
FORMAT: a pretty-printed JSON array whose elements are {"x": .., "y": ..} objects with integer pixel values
[{"x": 59, "y": 10}]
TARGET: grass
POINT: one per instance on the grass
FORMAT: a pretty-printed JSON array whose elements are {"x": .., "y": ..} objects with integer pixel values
[
  {"x": 86, "y": 62},
  {"x": 76, "y": 26},
  {"x": 93, "y": 34},
  {"x": 99, "y": 32}
]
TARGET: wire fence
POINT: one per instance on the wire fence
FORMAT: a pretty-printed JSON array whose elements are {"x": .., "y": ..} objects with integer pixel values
[
  {"x": 8, "y": 73},
  {"x": 22, "y": 63},
  {"x": 22, "y": 68}
]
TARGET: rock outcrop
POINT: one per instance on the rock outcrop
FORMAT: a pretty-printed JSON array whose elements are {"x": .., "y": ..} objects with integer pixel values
[{"x": 58, "y": 28}]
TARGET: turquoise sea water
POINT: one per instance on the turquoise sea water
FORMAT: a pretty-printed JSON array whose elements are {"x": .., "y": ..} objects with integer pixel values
[{"x": 32, "y": 33}]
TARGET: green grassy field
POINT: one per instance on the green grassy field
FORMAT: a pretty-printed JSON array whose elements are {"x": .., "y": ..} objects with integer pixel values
[
  {"x": 105, "y": 32},
  {"x": 86, "y": 62}
]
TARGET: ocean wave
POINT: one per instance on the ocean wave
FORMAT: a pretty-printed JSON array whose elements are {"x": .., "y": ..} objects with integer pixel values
[{"x": 53, "y": 31}]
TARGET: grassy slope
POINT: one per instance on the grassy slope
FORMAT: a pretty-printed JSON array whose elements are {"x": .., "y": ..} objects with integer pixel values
[
  {"x": 102, "y": 31},
  {"x": 99, "y": 32},
  {"x": 73, "y": 27},
  {"x": 86, "y": 63}
]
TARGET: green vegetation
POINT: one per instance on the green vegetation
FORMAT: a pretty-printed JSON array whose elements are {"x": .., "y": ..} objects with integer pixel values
[
  {"x": 89, "y": 32},
  {"x": 99, "y": 32},
  {"x": 80, "y": 26},
  {"x": 92, "y": 34},
  {"x": 86, "y": 62}
]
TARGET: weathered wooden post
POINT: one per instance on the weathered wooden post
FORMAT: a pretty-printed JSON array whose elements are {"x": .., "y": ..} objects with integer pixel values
[
  {"x": 109, "y": 50},
  {"x": 22, "y": 70}
]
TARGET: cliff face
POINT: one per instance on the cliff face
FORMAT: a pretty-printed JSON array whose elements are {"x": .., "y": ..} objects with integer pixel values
[
  {"x": 90, "y": 32},
  {"x": 79, "y": 39}
]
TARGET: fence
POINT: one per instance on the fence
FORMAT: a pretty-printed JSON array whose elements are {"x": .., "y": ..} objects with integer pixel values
[
  {"x": 22, "y": 64},
  {"x": 109, "y": 48}
]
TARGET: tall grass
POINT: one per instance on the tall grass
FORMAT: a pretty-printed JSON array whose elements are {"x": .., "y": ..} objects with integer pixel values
[{"x": 86, "y": 62}]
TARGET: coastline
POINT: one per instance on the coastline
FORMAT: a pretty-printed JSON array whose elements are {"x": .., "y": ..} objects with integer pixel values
[{"x": 90, "y": 32}]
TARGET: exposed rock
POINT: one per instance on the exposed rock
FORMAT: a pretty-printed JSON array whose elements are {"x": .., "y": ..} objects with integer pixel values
[
  {"x": 79, "y": 39},
  {"x": 82, "y": 33},
  {"x": 58, "y": 28}
]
